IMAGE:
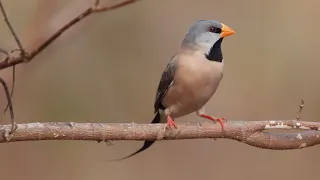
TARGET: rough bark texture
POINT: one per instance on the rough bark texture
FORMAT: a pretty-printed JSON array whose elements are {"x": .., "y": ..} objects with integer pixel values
[{"x": 251, "y": 133}]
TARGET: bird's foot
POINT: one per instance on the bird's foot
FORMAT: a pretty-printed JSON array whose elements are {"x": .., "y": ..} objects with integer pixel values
[
  {"x": 221, "y": 120},
  {"x": 171, "y": 123}
]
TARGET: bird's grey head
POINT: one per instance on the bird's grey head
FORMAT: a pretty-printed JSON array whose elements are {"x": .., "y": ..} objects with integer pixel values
[{"x": 208, "y": 34}]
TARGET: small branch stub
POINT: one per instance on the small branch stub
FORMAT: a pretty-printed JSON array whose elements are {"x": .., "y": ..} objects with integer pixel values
[{"x": 300, "y": 110}]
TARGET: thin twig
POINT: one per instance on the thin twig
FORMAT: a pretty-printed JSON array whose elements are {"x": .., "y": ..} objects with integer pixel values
[
  {"x": 97, "y": 3},
  {"x": 4, "y": 52},
  {"x": 21, "y": 49},
  {"x": 6, "y": 90},
  {"x": 12, "y": 88},
  {"x": 13, "y": 80},
  {"x": 115, "y": 6},
  {"x": 11, "y": 62},
  {"x": 16, "y": 38}
]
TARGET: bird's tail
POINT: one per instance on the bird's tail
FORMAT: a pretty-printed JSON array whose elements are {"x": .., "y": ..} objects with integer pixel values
[{"x": 146, "y": 144}]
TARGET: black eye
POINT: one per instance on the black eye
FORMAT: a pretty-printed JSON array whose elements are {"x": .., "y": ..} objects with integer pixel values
[{"x": 215, "y": 30}]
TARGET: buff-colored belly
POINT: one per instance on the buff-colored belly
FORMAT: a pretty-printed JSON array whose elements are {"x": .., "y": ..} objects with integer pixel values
[{"x": 194, "y": 84}]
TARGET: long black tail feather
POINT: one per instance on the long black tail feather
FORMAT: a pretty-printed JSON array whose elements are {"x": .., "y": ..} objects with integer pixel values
[{"x": 146, "y": 144}]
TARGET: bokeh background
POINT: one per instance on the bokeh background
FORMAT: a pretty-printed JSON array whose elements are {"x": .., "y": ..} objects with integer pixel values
[{"x": 107, "y": 68}]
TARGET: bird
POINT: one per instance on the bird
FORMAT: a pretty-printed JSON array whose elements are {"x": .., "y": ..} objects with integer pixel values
[{"x": 192, "y": 76}]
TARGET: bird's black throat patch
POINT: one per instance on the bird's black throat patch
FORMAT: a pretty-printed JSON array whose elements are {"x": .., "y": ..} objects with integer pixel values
[{"x": 215, "y": 53}]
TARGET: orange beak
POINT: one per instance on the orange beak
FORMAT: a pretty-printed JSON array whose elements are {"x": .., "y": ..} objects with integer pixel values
[{"x": 226, "y": 31}]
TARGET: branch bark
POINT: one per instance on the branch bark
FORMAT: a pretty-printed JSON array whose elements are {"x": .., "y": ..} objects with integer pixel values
[{"x": 251, "y": 132}]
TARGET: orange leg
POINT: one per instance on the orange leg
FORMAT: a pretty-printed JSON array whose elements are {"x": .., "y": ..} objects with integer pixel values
[
  {"x": 170, "y": 122},
  {"x": 220, "y": 120}
]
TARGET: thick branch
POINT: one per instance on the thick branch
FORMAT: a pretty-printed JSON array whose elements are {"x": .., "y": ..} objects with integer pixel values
[{"x": 251, "y": 133}]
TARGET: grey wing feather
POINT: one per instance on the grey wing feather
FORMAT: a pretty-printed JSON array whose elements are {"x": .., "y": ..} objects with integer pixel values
[{"x": 166, "y": 81}]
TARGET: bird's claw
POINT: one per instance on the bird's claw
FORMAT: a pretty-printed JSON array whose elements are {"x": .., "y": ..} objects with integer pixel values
[
  {"x": 221, "y": 120},
  {"x": 171, "y": 123}
]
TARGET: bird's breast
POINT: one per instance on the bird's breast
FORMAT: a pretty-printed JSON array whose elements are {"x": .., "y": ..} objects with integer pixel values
[
  {"x": 202, "y": 80},
  {"x": 195, "y": 82}
]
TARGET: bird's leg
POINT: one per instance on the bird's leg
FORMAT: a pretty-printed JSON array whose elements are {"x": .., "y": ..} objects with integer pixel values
[
  {"x": 170, "y": 121},
  {"x": 201, "y": 113}
]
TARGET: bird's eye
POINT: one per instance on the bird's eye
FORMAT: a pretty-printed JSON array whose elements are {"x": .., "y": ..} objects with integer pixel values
[{"x": 215, "y": 30}]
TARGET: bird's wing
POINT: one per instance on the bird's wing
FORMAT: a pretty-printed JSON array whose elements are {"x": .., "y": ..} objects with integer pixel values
[{"x": 165, "y": 83}]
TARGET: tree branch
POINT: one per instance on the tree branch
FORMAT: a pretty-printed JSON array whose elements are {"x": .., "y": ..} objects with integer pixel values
[
  {"x": 249, "y": 132},
  {"x": 9, "y": 61}
]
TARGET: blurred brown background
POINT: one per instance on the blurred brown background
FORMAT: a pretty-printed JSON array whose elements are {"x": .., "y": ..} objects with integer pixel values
[{"x": 107, "y": 68}]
